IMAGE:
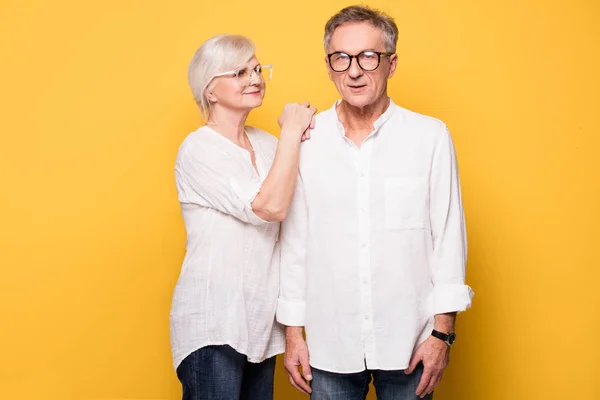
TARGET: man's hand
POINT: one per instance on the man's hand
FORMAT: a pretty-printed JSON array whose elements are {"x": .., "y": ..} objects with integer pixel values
[
  {"x": 435, "y": 355},
  {"x": 296, "y": 355}
]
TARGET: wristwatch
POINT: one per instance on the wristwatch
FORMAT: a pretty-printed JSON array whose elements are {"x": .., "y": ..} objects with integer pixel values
[{"x": 446, "y": 338}]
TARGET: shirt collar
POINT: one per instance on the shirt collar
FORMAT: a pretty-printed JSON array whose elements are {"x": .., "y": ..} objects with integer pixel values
[{"x": 383, "y": 118}]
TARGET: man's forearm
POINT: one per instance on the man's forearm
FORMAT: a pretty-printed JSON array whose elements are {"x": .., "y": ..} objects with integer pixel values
[
  {"x": 445, "y": 322},
  {"x": 293, "y": 332}
]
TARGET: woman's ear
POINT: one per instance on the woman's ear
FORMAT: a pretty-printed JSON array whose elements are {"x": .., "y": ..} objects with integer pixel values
[{"x": 210, "y": 95}]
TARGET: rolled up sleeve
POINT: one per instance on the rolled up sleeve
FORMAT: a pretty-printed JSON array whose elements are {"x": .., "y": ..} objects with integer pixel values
[
  {"x": 221, "y": 183},
  {"x": 447, "y": 298}
]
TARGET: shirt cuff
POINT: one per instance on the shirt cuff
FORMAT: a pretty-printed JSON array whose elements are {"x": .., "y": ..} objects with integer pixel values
[
  {"x": 447, "y": 298},
  {"x": 291, "y": 313}
]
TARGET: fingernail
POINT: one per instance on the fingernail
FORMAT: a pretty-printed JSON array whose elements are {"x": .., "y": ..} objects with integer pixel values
[{"x": 309, "y": 377}]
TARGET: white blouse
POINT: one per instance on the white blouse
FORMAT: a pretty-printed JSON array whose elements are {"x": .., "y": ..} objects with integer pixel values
[{"x": 229, "y": 282}]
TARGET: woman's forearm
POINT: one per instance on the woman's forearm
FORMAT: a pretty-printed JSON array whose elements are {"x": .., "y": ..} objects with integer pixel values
[{"x": 275, "y": 196}]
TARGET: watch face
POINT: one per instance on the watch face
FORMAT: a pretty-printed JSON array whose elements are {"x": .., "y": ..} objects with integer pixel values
[{"x": 451, "y": 338}]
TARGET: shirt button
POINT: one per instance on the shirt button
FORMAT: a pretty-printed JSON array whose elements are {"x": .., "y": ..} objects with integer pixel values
[
  {"x": 363, "y": 245},
  {"x": 362, "y": 174},
  {"x": 366, "y": 317},
  {"x": 365, "y": 281}
]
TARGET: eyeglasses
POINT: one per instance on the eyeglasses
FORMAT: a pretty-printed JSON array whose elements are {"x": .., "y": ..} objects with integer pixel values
[
  {"x": 244, "y": 76},
  {"x": 367, "y": 60}
]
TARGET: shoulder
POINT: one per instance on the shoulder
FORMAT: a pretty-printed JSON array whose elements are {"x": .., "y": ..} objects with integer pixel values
[
  {"x": 425, "y": 126},
  {"x": 201, "y": 145},
  {"x": 326, "y": 119},
  {"x": 326, "y": 128},
  {"x": 201, "y": 137},
  {"x": 419, "y": 121}
]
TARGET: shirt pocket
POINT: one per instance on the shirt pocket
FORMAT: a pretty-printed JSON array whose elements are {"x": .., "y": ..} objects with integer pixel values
[{"x": 405, "y": 202}]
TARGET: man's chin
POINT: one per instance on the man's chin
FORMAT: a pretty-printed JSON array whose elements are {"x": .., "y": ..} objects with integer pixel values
[{"x": 358, "y": 101}]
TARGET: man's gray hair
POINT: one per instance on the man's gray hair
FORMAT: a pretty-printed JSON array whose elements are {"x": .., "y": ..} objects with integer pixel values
[
  {"x": 355, "y": 14},
  {"x": 218, "y": 54}
]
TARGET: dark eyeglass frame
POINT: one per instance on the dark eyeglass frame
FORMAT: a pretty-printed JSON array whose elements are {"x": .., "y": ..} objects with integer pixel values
[{"x": 379, "y": 54}]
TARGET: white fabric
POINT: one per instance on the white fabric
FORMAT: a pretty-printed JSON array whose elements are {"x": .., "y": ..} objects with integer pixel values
[
  {"x": 374, "y": 244},
  {"x": 227, "y": 290}
]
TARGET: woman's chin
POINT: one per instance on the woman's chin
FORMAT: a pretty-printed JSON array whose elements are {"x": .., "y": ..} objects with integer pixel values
[{"x": 255, "y": 103}]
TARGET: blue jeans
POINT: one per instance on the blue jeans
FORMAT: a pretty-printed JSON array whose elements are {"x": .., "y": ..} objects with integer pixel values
[
  {"x": 389, "y": 385},
  {"x": 221, "y": 373}
]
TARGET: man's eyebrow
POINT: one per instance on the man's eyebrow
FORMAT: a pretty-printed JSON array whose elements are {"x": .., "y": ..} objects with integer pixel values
[{"x": 346, "y": 52}]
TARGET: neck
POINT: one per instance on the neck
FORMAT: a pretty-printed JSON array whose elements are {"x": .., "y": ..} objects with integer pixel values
[
  {"x": 229, "y": 123},
  {"x": 361, "y": 118}
]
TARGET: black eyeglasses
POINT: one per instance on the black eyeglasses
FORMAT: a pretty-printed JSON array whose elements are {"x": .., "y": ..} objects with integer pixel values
[{"x": 368, "y": 60}]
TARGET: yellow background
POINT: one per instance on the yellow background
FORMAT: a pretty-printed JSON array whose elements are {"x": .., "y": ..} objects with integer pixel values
[{"x": 94, "y": 103}]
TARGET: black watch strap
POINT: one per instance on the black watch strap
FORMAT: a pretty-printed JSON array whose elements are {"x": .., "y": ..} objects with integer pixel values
[{"x": 446, "y": 338}]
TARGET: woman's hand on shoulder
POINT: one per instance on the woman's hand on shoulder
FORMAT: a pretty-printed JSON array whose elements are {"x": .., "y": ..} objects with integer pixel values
[{"x": 297, "y": 120}]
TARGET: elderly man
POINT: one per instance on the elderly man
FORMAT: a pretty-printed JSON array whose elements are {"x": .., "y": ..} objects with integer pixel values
[{"x": 374, "y": 245}]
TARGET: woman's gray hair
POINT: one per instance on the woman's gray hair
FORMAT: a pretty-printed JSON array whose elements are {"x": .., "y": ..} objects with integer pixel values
[
  {"x": 218, "y": 54},
  {"x": 354, "y": 14}
]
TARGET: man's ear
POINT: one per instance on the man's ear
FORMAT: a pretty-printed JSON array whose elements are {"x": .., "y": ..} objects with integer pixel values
[
  {"x": 393, "y": 65},
  {"x": 329, "y": 71}
]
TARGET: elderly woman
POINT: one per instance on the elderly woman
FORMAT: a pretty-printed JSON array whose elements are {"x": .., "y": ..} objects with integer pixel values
[{"x": 235, "y": 184}]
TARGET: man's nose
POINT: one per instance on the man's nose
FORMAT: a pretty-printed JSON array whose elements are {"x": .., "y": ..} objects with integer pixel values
[{"x": 354, "y": 71}]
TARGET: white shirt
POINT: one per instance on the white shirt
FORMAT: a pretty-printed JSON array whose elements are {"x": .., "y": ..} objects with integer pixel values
[
  {"x": 374, "y": 244},
  {"x": 227, "y": 290}
]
